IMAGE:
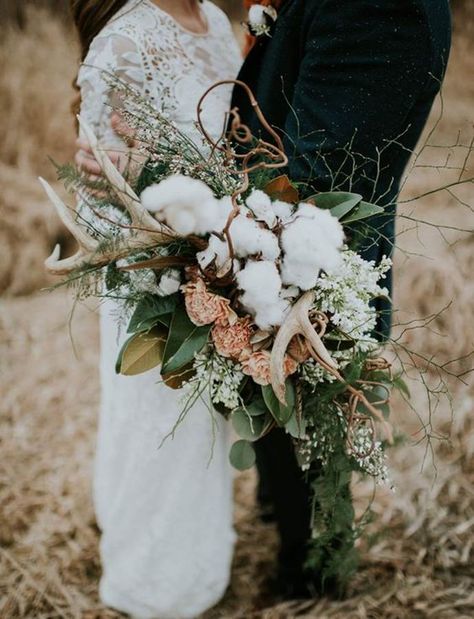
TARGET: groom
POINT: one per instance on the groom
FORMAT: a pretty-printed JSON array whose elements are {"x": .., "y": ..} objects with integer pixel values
[{"x": 349, "y": 84}]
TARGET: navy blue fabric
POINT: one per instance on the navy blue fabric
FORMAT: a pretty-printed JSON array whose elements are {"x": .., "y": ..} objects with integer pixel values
[{"x": 349, "y": 84}]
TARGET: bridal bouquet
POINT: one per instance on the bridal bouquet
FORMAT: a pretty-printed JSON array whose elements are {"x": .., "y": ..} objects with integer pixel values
[{"x": 244, "y": 292}]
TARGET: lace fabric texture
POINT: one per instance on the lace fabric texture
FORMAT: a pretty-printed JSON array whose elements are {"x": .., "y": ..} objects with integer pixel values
[{"x": 165, "y": 512}]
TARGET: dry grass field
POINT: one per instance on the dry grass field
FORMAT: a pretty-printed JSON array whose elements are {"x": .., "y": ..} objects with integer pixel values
[{"x": 419, "y": 559}]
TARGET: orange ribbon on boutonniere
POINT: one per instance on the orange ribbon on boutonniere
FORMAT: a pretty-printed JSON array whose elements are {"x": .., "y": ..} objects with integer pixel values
[{"x": 261, "y": 15}]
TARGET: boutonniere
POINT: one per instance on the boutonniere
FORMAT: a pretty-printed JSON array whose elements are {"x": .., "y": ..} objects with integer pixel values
[{"x": 262, "y": 16}]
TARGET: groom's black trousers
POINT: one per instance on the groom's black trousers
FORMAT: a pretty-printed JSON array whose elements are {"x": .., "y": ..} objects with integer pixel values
[{"x": 350, "y": 84}]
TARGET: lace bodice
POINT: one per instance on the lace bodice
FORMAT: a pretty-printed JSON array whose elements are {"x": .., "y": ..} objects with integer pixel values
[{"x": 146, "y": 47}]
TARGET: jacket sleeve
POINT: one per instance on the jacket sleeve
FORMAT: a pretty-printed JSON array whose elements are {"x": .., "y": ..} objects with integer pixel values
[{"x": 364, "y": 65}]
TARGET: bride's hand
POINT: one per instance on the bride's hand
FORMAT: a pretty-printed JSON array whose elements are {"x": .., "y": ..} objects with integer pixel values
[{"x": 121, "y": 158}]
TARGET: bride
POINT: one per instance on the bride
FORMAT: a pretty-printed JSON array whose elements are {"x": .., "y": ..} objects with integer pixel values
[{"x": 165, "y": 514}]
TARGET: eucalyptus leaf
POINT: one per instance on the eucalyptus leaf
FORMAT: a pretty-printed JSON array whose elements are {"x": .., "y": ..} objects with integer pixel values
[
  {"x": 142, "y": 352},
  {"x": 247, "y": 427},
  {"x": 363, "y": 211},
  {"x": 242, "y": 455},
  {"x": 150, "y": 310},
  {"x": 184, "y": 340},
  {"x": 281, "y": 412},
  {"x": 296, "y": 427},
  {"x": 340, "y": 203}
]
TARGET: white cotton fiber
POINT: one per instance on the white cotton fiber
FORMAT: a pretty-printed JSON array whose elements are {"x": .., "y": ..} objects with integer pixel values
[
  {"x": 313, "y": 241},
  {"x": 261, "y": 206},
  {"x": 261, "y": 286},
  {"x": 187, "y": 205},
  {"x": 217, "y": 250},
  {"x": 283, "y": 210},
  {"x": 250, "y": 239}
]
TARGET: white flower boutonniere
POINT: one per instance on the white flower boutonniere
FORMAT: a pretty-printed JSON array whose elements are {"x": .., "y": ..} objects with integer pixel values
[{"x": 261, "y": 19}]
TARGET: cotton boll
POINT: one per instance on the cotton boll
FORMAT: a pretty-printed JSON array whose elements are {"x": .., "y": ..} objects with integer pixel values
[
  {"x": 257, "y": 15},
  {"x": 225, "y": 209},
  {"x": 272, "y": 315},
  {"x": 250, "y": 239},
  {"x": 261, "y": 206},
  {"x": 306, "y": 241},
  {"x": 182, "y": 221},
  {"x": 208, "y": 217},
  {"x": 176, "y": 190},
  {"x": 297, "y": 273},
  {"x": 260, "y": 280},
  {"x": 261, "y": 285},
  {"x": 329, "y": 225},
  {"x": 283, "y": 210},
  {"x": 170, "y": 283},
  {"x": 217, "y": 250}
]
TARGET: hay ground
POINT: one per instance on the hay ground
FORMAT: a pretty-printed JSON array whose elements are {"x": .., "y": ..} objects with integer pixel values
[{"x": 419, "y": 560}]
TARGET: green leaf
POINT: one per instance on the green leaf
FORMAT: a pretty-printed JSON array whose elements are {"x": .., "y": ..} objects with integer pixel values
[
  {"x": 296, "y": 427},
  {"x": 242, "y": 455},
  {"x": 184, "y": 340},
  {"x": 401, "y": 385},
  {"x": 151, "y": 310},
  {"x": 340, "y": 203},
  {"x": 248, "y": 427},
  {"x": 363, "y": 211},
  {"x": 376, "y": 395},
  {"x": 281, "y": 413},
  {"x": 142, "y": 352}
]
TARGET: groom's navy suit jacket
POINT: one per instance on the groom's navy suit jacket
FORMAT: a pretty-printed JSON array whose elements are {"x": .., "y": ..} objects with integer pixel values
[{"x": 350, "y": 84}]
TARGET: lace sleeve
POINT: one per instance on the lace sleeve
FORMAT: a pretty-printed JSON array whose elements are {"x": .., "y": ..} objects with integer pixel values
[{"x": 114, "y": 54}]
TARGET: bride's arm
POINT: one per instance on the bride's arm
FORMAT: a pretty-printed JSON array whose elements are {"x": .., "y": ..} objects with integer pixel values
[{"x": 110, "y": 55}]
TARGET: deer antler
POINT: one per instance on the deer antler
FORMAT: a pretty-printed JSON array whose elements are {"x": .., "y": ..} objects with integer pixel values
[
  {"x": 145, "y": 230},
  {"x": 296, "y": 323},
  {"x": 87, "y": 244}
]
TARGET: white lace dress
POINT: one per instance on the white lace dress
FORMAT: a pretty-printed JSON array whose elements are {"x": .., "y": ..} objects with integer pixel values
[{"x": 165, "y": 514}]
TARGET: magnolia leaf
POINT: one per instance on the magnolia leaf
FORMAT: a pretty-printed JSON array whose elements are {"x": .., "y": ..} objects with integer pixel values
[
  {"x": 175, "y": 380},
  {"x": 242, "y": 455},
  {"x": 159, "y": 263},
  {"x": 281, "y": 188},
  {"x": 142, "y": 352},
  {"x": 184, "y": 341},
  {"x": 340, "y": 203},
  {"x": 248, "y": 427},
  {"x": 150, "y": 311},
  {"x": 363, "y": 211},
  {"x": 281, "y": 412}
]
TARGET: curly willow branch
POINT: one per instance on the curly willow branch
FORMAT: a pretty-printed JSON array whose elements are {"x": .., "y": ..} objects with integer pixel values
[{"x": 266, "y": 155}]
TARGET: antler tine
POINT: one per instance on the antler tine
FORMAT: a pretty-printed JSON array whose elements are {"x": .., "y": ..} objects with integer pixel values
[
  {"x": 87, "y": 244},
  {"x": 140, "y": 217},
  {"x": 297, "y": 322},
  {"x": 84, "y": 239}
]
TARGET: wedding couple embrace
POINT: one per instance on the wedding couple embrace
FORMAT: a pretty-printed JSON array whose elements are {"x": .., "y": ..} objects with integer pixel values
[{"x": 349, "y": 85}]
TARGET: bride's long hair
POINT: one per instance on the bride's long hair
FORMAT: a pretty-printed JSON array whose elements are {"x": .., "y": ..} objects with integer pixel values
[{"x": 90, "y": 17}]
